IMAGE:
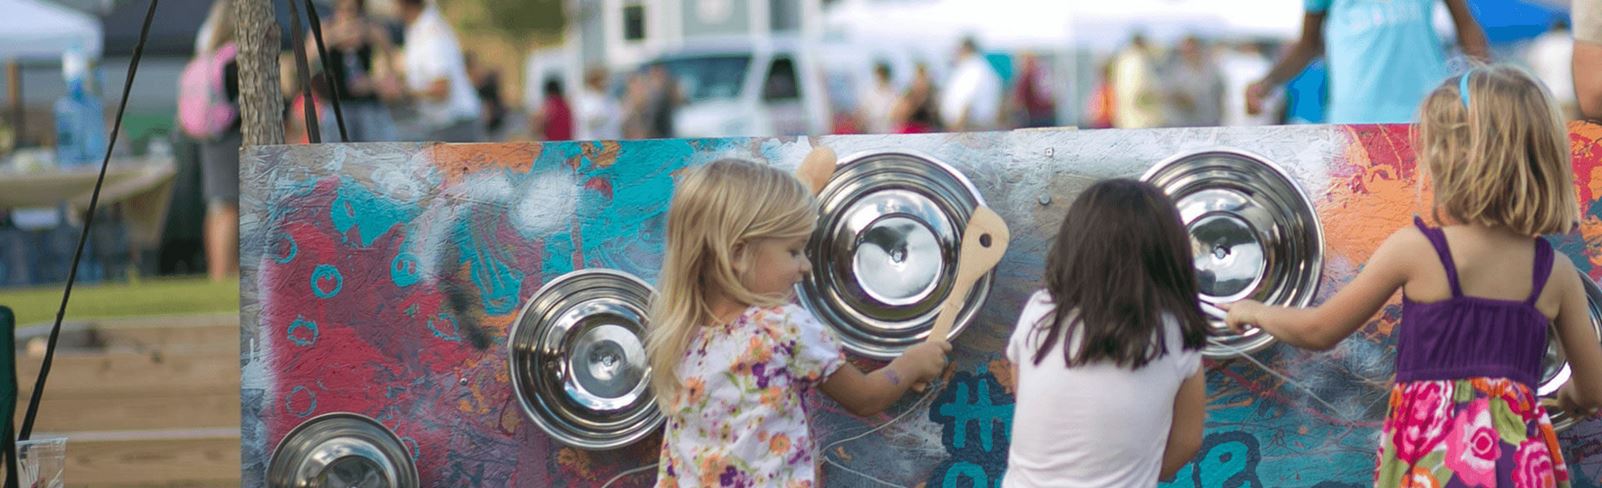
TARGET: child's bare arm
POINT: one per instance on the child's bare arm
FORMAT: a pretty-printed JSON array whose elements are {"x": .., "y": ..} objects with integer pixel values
[
  {"x": 1322, "y": 327},
  {"x": 865, "y": 394},
  {"x": 1185, "y": 435},
  {"x": 1580, "y": 346}
]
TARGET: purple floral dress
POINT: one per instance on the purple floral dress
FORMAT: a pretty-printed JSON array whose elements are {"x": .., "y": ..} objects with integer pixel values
[
  {"x": 738, "y": 420},
  {"x": 1462, "y": 413}
]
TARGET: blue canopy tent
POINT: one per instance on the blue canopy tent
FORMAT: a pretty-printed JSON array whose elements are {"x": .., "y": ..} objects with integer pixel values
[{"x": 1512, "y": 21}]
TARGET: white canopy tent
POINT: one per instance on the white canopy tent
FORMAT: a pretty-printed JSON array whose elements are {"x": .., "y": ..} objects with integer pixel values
[
  {"x": 37, "y": 31},
  {"x": 33, "y": 30},
  {"x": 1095, "y": 25}
]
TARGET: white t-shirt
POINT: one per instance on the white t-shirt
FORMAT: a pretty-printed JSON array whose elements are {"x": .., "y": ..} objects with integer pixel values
[
  {"x": 1240, "y": 70},
  {"x": 1551, "y": 57},
  {"x": 877, "y": 103},
  {"x": 976, "y": 87},
  {"x": 432, "y": 53},
  {"x": 598, "y": 116},
  {"x": 1090, "y": 426},
  {"x": 1137, "y": 101}
]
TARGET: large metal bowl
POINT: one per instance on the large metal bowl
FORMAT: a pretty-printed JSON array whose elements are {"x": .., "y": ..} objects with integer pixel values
[
  {"x": 885, "y": 251},
  {"x": 577, "y": 359},
  {"x": 1555, "y": 368},
  {"x": 341, "y": 450},
  {"x": 1253, "y": 232}
]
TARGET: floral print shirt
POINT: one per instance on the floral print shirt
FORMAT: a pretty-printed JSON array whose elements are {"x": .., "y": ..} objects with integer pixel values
[{"x": 738, "y": 419}]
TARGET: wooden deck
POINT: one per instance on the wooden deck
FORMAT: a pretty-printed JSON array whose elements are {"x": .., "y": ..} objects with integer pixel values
[{"x": 142, "y": 402}]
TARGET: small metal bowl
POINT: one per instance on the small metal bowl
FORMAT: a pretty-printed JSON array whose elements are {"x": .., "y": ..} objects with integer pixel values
[
  {"x": 1555, "y": 368},
  {"x": 885, "y": 251},
  {"x": 1253, "y": 231},
  {"x": 341, "y": 450},
  {"x": 577, "y": 358}
]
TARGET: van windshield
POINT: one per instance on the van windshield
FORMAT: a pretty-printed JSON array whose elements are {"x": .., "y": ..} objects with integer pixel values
[{"x": 709, "y": 77}]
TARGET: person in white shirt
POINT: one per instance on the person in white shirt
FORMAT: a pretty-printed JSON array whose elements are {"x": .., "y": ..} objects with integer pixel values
[
  {"x": 971, "y": 99},
  {"x": 1241, "y": 66},
  {"x": 1107, "y": 357},
  {"x": 1196, "y": 88},
  {"x": 1588, "y": 57},
  {"x": 436, "y": 76},
  {"x": 599, "y": 118},
  {"x": 1137, "y": 95},
  {"x": 879, "y": 102},
  {"x": 1551, "y": 58}
]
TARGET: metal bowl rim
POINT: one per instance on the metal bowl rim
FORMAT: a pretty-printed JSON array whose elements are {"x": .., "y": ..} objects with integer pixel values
[
  {"x": 406, "y": 466},
  {"x": 652, "y": 421}
]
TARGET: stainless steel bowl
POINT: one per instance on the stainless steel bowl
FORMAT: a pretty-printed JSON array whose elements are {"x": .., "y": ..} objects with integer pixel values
[
  {"x": 885, "y": 251},
  {"x": 578, "y": 359},
  {"x": 1253, "y": 231},
  {"x": 1555, "y": 367},
  {"x": 341, "y": 450}
]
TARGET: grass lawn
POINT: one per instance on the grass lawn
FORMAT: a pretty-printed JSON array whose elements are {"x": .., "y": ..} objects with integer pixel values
[{"x": 147, "y": 297}]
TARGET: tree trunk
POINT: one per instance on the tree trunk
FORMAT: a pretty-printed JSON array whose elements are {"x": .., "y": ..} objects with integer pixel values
[{"x": 261, "y": 105}]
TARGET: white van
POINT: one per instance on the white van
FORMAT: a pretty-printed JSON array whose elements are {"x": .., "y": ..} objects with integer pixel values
[{"x": 741, "y": 87}]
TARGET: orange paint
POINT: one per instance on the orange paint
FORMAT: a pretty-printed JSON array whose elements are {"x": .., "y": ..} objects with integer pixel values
[
  {"x": 458, "y": 160},
  {"x": 1002, "y": 369},
  {"x": 576, "y": 460},
  {"x": 1372, "y": 193},
  {"x": 602, "y": 154}
]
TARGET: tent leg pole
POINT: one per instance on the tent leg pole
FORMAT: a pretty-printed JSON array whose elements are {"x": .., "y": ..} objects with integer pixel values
[{"x": 14, "y": 95}]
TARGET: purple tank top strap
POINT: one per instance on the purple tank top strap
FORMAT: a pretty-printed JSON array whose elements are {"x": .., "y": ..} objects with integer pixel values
[
  {"x": 1543, "y": 269},
  {"x": 1438, "y": 239}
]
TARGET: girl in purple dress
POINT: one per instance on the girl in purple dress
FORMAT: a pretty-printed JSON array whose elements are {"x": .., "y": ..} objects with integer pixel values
[{"x": 1463, "y": 411}]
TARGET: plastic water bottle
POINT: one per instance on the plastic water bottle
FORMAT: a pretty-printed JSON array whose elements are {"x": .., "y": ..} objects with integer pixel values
[{"x": 80, "y": 118}]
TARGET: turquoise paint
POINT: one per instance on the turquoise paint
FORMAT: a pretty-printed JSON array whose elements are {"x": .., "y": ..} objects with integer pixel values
[
  {"x": 300, "y": 340},
  {"x": 326, "y": 272},
  {"x": 289, "y": 401},
  {"x": 294, "y": 249},
  {"x": 622, "y": 221},
  {"x": 434, "y": 323},
  {"x": 368, "y": 213},
  {"x": 498, "y": 281},
  {"x": 974, "y": 473},
  {"x": 977, "y": 409},
  {"x": 404, "y": 269}
]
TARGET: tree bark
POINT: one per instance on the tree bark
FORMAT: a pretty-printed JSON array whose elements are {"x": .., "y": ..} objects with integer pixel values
[{"x": 261, "y": 104}]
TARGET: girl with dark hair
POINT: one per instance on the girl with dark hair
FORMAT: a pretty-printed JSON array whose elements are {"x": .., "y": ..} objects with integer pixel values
[{"x": 1108, "y": 356}]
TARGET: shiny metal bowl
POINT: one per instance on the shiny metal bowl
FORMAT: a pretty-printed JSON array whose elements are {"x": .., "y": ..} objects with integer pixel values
[
  {"x": 341, "y": 450},
  {"x": 1253, "y": 231},
  {"x": 1555, "y": 368},
  {"x": 577, "y": 358},
  {"x": 885, "y": 251}
]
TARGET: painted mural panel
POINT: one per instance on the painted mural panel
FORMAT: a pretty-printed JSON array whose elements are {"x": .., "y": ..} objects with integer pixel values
[{"x": 382, "y": 279}]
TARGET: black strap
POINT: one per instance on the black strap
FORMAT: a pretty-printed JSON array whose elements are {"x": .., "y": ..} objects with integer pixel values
[
  {"x": 334, "y": 78},
  {"x": 88, "y": 222},
  {"x": 8, "y": 393},
  {"x": 314, "y": 134}
]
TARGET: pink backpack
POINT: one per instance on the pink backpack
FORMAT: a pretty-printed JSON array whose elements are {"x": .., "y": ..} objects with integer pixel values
[{"x": 204, "y": 110}]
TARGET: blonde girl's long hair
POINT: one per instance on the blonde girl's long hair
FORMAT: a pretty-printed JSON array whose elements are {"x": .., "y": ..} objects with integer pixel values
[
  {"x": 222, "y": 31},
  {"x": 716, "y": 208},
  {"x": 1498, "y": 155}
]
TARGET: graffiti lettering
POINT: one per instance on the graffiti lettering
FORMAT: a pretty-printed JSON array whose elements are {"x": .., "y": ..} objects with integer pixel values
[{"x": 975, "y": 417}]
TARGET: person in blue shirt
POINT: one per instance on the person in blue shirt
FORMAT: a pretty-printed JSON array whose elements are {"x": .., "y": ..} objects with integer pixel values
[{"x": 1383, "y": 56}]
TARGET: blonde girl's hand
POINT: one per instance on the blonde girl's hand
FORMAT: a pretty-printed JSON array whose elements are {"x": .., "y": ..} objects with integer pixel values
[
  {"x": 1565, "y": 402},
  {"x": 816, "y": 169},
  {"x": 925, "y": 361}
]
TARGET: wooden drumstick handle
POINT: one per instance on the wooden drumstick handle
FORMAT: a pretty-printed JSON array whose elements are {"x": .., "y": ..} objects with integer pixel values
[{"x": 984, "y": 241}]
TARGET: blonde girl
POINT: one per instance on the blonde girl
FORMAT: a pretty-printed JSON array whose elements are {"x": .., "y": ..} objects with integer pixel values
[
  {"x": 731, "y": 356},
  {"x": 1475, "y": 320}
]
